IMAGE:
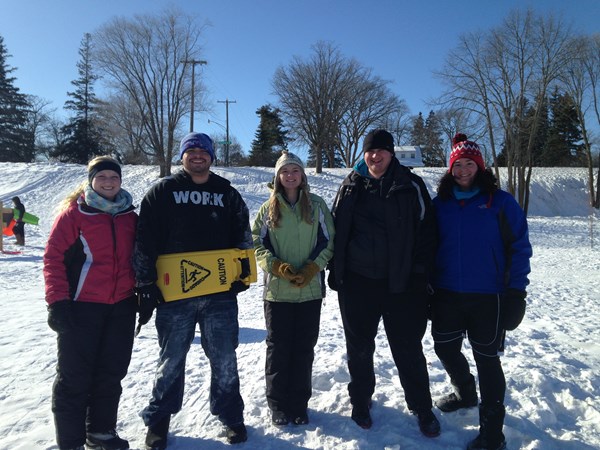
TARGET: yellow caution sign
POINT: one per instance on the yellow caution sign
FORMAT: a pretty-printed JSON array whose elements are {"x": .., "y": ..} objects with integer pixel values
[{"x": 185, "y": 275}]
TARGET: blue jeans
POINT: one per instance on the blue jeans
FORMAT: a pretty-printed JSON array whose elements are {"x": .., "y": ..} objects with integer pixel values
[{"x": 176, "y": 324}]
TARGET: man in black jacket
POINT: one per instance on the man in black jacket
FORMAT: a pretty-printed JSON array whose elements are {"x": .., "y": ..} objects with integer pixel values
[
  {"x": 194, "y": 210},
  {"x": 384, "y": 248}
]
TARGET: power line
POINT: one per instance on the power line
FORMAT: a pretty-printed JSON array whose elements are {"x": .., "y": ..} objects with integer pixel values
[
  {"x": 227, "y": 102},
  {"x": 193, "y": 62}
]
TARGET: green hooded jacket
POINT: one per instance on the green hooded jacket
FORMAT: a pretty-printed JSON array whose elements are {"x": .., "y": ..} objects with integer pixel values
[{"x": 294, "y": 242}]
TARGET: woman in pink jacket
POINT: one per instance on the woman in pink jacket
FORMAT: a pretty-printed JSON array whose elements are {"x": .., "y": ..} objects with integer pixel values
[{"x": 91, "y": 306}]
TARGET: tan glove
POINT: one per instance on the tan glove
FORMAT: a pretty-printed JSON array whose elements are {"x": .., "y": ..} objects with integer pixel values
[
  {"x": 283, "y": 270},
  {"x": 305, "y": 274}
]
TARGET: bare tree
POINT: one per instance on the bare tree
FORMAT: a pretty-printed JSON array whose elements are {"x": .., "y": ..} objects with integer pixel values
[
  {"x": 120, "y": 117},
  {"x": 452, "y": 121},
  {"x": 310, "y": 96},
  {"x": 577, "y": 81},
  {"x": 370, "y": 104},
  {"x": 466, "y": 75},
  {"x": 39, "y": 122},
  {"x": 503, "y": 75},
  {"x": 329, "y": 101},
  {"x": 236, "y": 154},
  {"x": 143, "y": 60},
  {"x": 399, "y": 124},
  {"x": 593, "y": 71}
]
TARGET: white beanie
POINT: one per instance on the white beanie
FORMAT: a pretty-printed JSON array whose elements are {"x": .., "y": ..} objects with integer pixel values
[{"x": 288, "y": 158}]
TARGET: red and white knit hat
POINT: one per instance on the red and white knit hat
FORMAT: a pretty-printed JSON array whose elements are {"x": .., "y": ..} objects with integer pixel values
[{"x": 463, "y": 148}]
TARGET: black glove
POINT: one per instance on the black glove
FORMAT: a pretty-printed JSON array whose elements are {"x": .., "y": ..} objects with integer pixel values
[
  {"x": 245, "y": 268},
  {"x": 331, "y": 281},
  {"x": 512, "y": 308},
  {"x": 148, "y": 296},
  {"x": 60, "y": 318},
  {"x": 238, "y": 286}
]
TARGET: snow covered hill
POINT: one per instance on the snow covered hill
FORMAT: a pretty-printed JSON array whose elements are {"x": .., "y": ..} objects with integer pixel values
[{"x": 552, "y": 361}]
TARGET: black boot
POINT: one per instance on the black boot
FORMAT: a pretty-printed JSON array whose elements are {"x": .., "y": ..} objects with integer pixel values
[
  {"x": 362, "y": 416},
  {"x": 236, "y": 434},
  {"x": 108, "y": 440},
  {"x": 279, "y": 418},
  {"x": 428, "y": 423},
  {"x": 491, "y": 420},
  {"x": 464, "y": 396},
  {"x": 156, "y": 437}
]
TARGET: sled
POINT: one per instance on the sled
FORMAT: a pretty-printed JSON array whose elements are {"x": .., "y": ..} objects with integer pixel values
[
  {"x": 185, "y": 275},
  {"x": 11, "y": 252},
  {"x": 8, "y": 214},
  {"x": 27, "y": 217},
  {"x": 8, "y": 229}
]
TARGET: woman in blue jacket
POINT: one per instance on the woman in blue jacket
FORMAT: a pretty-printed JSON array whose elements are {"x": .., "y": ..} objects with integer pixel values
[{"x": 480, "y": 279}]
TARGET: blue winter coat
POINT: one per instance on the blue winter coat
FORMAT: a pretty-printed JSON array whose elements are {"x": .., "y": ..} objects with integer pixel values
[{"x": 483, "y": 244}]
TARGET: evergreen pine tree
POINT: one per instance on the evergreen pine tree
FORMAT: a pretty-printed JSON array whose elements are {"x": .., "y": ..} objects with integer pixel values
[
  {"x": 433, "y": 148},
  {"x": 81, "y": 138},
  {"x": 16, "y": 140},
  {"x": 563, "y": 147},
  {"x": 417, "y": 133},
  {"x": 270, "y": 138}
]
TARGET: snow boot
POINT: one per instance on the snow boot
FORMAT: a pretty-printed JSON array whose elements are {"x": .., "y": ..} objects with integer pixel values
[
  {"x": 236, "y": 434},
  {"x": 108, "y": 440},
  {"x": 428, "y": 423},
  {"x": 362, "y": 416},
  {"x": 279, "y": 418},
  {"x": 156, "y": 437},
  {"x": 464, "y": 396},
  {"x": 301, "y": 418},
  {"x": 491, "y": 420}
]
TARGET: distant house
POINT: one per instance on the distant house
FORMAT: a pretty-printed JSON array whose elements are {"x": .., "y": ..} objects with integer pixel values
[{"x": 409, "y": 155}]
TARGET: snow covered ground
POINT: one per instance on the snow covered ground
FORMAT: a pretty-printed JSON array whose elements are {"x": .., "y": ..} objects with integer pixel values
[{"x": 552, "y": 361}]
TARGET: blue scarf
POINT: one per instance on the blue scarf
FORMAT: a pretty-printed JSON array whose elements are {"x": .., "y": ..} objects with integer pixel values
[
  {"x": 122, "y": 201},
  {"x": 464, "y": 195}
]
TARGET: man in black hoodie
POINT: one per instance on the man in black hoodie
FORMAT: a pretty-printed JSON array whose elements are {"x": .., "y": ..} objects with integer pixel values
[{"x": 194, "y": 210}]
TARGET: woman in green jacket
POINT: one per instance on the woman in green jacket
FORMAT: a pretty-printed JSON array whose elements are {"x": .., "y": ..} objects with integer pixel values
[{"x": 293, "y": 237}]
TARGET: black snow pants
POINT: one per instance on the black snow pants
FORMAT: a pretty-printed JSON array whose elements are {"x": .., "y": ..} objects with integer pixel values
[
  {"x": 455, "y": 316},
  {"x": 93, "y": 358},
  {"x": 292, "y": 333},
  {"x": 363, "y": 302}
]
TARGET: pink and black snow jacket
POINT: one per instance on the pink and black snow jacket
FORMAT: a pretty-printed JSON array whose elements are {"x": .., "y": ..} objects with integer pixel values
[{"x": 88, "y": 257}]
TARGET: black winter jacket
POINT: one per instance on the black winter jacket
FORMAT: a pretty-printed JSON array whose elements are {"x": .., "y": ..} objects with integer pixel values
[
  {"x": 406, "y": 215},
  {"x": 178, "y": 215}
]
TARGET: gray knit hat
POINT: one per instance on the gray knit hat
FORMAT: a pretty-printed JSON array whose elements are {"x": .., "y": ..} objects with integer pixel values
[{"x": 288, "y": 158}]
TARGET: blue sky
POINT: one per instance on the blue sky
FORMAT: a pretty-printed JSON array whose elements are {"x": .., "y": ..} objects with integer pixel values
[{"x": 402, "y": 41}]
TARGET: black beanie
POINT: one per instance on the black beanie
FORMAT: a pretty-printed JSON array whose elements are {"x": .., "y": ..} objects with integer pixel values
[
  {"x": 378, "y": 139},
  {"x": 103, "y": 164}
]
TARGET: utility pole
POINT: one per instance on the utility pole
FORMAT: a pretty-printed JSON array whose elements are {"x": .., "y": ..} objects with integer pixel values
[
  {"x": 227, "y": 102},
  {"x": 193, "y": 62}
]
